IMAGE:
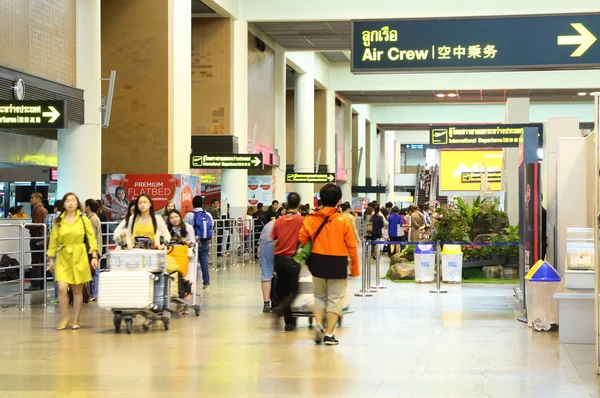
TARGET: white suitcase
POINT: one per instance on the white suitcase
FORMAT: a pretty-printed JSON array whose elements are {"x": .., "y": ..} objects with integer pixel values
[
  {"x": 126, "y": 290},
  {"x": 137, "y": 260}
]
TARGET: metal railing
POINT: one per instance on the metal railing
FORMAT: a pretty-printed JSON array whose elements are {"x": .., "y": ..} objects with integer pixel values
[
  {"x": 367, "y": 288},
  {"x": 233, "y": 243},
  {"x": 36, "y": 249}
]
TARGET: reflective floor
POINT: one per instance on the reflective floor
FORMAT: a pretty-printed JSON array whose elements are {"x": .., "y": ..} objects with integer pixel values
[{"x": 403, "y": 342}]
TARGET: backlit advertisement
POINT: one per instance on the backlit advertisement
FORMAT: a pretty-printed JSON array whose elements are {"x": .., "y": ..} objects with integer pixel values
[
  {"x": 119, "y": 189},
  {"x": 465, "y": 170},
  {"x": 260, "y": 190}
]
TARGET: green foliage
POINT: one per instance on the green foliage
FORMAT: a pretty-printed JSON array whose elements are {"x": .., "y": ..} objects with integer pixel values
[
  {"x": 408, "y": 250},
  {"x": 451, "y": 225}
]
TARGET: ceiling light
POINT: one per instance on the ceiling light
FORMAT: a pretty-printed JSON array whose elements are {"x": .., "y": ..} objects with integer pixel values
[
  {"x": 595, "y": 94},
  {"x": 451, "y": 95},
  {"x": 582, "y": 93},
  {"x": 440, "y": 95}
]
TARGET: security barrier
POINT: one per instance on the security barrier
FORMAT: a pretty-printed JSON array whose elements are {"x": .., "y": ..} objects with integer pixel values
[
  {"x": 368, "y": 246},
  {"x": 33, "y": 254},
  {"x": 233, "y": 243}
]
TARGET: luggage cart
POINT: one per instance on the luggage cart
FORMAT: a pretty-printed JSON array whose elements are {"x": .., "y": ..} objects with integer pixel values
[
  {"x": 192, "y": 276},
  {"x": 302, "y": 305},
  {"x": 136, "y": 285}
]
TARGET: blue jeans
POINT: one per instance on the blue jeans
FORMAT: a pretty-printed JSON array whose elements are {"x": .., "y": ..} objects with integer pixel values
[
  {"x": 94, "y": 284},
  {"x": 203, "y": 248}
]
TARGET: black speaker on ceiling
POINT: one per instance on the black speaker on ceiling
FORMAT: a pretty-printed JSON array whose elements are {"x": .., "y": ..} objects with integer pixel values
[
  {"x": 260, "y": 45},
  {"x": 338, "y": 102}
]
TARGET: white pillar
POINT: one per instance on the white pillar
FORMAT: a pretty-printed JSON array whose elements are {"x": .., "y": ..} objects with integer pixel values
[
  {"x": 180, "y": 85},
  {"x": 390, "y": 162},
  {"x": 330, "y": 130},
  {"x": 304, "y": 132},
  {"x": 347, "y": 186},
  {"x": 361, "y": 143},
  {"x": 79, "y": 146},
  {"x": 517, "y": 111},
  {"x": 371, "y": 137},
  {"x": 280, "y": 124},
  {"x": 234, "y": 183}
]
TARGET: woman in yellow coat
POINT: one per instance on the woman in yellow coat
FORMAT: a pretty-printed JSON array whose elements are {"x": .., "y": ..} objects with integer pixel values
[{"x": 68, "y": 259}]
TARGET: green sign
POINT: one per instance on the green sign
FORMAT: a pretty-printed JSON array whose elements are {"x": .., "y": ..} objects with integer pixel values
[
  {"x": 33, "y": 115},
  {"x": 310, "y": 178},
  {"x": 227, "y": 161},
  {"x": 480, "y": 135},
  {"x": 475, "y": 176}
]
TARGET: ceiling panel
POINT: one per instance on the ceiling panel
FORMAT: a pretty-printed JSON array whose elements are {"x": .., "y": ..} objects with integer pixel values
[
  {"x": 467, "y": 96},
  {"x": 310, "y": 35}
]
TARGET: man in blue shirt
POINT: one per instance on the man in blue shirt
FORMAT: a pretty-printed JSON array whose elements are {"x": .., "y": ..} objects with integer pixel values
[{"x": 203, "y": 245}]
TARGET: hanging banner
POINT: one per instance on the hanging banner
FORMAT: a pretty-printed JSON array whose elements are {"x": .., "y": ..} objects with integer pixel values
[
  {"x": 119, "y": 189},
  {"x": 260, "y": 190},
  {"x": 463, "y": 170}
]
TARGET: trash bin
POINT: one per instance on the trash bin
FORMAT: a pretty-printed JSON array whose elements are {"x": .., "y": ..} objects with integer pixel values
[
  {"x": 424, "y": 263},
  {"x": 542, "y": 307},
  {"x": 452, "y": 259}
]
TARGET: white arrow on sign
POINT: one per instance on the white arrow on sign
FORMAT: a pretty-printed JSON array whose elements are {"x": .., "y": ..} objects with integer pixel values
[
  {"x": 52, "y": 115},
  {"x": 330, "y": 178},
  {"x": 256, "y": 161},
  {"x": 585, "y": 39}
]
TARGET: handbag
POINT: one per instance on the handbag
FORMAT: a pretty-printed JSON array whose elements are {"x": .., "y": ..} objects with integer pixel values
[
  {"x": 85, "y": 292},
  {"x": 86, "y": 242},
  {"x": 307, "y": 249}
]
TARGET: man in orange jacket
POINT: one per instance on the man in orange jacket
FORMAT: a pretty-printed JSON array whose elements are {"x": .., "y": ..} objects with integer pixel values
[{"x": 332, "y": 241}]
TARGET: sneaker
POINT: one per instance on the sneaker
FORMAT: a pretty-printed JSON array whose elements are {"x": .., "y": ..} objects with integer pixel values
[
  {"x": 330, "y": 340},
  {"x": 205, "y": 287},
  {"x": 267, "y": 309},
  {"x": 319, "y": 334}
]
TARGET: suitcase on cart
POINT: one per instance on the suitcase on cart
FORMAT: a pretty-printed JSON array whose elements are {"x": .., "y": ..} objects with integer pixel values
[
  {"x": 137, "y": 260},
  {"x": 126, "y": 290}
]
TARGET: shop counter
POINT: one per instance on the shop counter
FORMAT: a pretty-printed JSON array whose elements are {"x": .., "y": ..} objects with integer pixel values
[{"x": 576, "y": 315}]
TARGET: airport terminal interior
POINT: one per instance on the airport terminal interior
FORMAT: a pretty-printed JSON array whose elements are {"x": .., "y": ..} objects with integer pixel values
[{"x": 272, "y": 198}]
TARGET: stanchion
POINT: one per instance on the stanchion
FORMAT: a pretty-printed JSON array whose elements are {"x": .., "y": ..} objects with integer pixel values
[
  {"x": 378, "y": 284},
  {"x": 364, "y": 292},
  {"x": 370, "y": 248},
  {"x": 438, "y": 261}
]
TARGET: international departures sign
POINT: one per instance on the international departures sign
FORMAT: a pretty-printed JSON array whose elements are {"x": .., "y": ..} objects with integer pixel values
[
  {"x": 33, "y": 115},
  {"x": 481, "y": 135},
  {"x": 227, "y": 161},
  {"x": 487, "y": 43},
  {"x": 309, "y": 178}
]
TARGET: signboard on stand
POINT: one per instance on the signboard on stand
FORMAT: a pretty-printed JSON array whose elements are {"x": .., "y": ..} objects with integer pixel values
[
  {"x": 32, "y": 115},
  {"x": 226, "y": 161},
  {"x": 463, "y": 170},
  {"x": 478, "y": 43}
]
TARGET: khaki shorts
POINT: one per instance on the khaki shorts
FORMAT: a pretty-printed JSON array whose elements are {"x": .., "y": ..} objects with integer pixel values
[{"x": 330, "y": 294}]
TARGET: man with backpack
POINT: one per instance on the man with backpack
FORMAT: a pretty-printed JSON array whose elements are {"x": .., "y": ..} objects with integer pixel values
[{"x": 203, "y": 224}]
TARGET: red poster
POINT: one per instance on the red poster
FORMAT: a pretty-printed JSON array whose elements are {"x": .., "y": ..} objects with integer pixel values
[
  {"x": 160, "y": 187},
  {"x": 186, "y": 200},
  {"x": 212, "y": 192}
]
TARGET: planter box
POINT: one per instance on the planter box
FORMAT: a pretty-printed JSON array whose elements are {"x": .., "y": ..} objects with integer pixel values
[{"x": 482, "y": 263}]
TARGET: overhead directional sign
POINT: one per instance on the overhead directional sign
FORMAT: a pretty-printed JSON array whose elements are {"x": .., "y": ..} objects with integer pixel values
[
  {"x": 310, "y": 178},
  {"x": 33, "y": 115},
  {"x": 482, "y": 43},
  {"x": 481, "y": 135},
  {"x": 475, "y": 176},
  {"x": 227, "y": 161}
]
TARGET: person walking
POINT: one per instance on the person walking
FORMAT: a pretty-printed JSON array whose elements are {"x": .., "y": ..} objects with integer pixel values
[
  {"x": 266, "y": 259},
  {"x": 49, "y": 221},
  {"x": 395, "y": 230},
  {"x": 68, "y": 257},
  {"x": 36, "y": 243},
  {"x": 332, "y": 241},
  {"x": 144, "y": 223},
  {"x": 285, "y": 236},
  {"x": 417, "y": 221},
  {"x": 91, "y": 209},
  {"x": 204, "y": 225}
]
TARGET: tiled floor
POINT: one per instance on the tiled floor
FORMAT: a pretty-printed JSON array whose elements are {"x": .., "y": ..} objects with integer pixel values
[{"x": 404, "y": 342}]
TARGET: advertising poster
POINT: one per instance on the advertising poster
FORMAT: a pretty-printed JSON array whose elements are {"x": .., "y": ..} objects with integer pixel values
[
  {"x": 530, "y": 212},
  {"x": 260, "y": 190},
  {"x": 465, "y": 170},
  {"x": 119, "y": 189},
  {"x": 211, "y": 192}
]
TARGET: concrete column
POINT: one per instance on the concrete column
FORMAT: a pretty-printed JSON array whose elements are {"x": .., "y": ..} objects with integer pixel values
[
  {"x": 280, "y": 124},
  {"x": 348, "y": 147},
  {"x": 330, "y": 131},
  {"x": 517, "y": 111},
  {"x": 304, "y": 134},
  {"x": 79, "y": 146},
  {"x": 180, "y": 85},
  {"x": 373, "y": 156},
  {"x": 390, "y": 162},
  {"x": 555, "y": 127},
  {"x": 234, "y": 182}
]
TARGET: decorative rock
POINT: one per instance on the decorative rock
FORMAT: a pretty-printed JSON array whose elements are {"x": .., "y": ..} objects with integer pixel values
[
  {"x": 510, "y": 273},
  {"x": 397, "y": 259},
  {"x": 402, "y": 271},
  {"x": 492, "y": 271}
]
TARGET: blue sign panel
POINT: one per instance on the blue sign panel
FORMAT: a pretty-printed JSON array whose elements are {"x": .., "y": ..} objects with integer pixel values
[{"x": 488, "y": 43}]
